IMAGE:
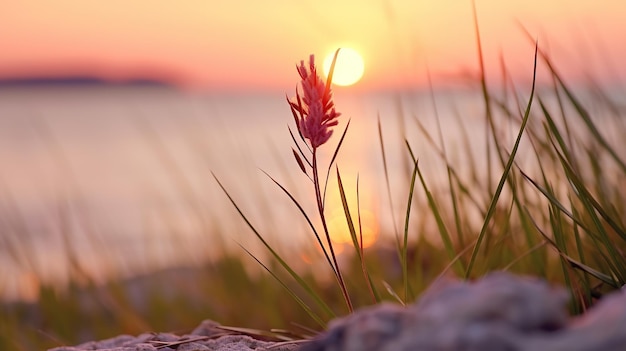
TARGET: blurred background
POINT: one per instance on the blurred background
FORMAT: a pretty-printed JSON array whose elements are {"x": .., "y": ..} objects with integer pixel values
[{"x": 115, "y": 114}]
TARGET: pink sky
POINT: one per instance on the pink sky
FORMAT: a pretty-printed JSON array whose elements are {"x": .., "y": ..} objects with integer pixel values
[{"x": 247, "y": 44}]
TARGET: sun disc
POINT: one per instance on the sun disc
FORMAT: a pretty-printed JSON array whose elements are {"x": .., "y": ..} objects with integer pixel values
[{"x": 349, "y": 67}]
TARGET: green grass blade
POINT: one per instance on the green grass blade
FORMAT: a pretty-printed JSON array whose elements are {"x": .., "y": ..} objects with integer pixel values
[
  {"x": 581, "y": 111},
  {"x": 358, "y": 246},
  {"x": 452, "y": 262},
  {"x": 370, "y": 283},
  {"x": 576, "y": 264},
  {"x": 306, "y": 217},
  {"x": 593, "y": 204},
  {"x": 595, "y": 236},
  {"x": 295, "y": 296},
  {"x": 331, "y": 71},
  {"x": 407, "y": 218},
  {"x": 346, "y": 211},
  {"x": 525, "y": 254},
  {"x": 556, "y": 225},
  {"x": 299, "y": 161},
  {"x": 605, "y": 240},
  {"x": 275, "y": 254},
  {"x": 297, "y": 116},
  {"x": 582, "y": 257},
  {"x": 452, "y": 174},
  {"x": 469, "y": 155},
  {"x": 393, "y": 294},
  {"x": 453, "y": 196},
  {"x": 332, "y": 161},
  {"x": 553, "y": 200},
  {"x": 486, "y": 97},
  {"x": 554, "y": 132},
  {"x": 299, "y": 148},
  {"x": 443, "y": 231},
  {"x": 387, "y": 183},
  {"x": 591, "y": 127},
  {"x": 505, "y": 174}
]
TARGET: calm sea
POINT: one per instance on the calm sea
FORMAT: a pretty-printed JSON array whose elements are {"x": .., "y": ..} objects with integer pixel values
[{"x": 110, "y": 181}]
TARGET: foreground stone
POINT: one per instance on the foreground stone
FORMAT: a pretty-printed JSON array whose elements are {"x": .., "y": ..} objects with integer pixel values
[
  {"x": 206, "y": 337},
  {"x": 497, "y": 312}
]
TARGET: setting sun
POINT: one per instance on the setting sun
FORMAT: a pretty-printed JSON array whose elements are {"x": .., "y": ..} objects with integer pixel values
[{"x": 348, "y": 69}]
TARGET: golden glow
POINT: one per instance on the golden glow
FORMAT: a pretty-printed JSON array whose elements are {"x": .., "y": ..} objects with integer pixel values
[
  {"x": 340, "y": 234},
  {"x": 349, "y": 67}
]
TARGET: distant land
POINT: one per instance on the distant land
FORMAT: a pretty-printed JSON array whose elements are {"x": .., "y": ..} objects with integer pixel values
[{"x": 80, "y": 81}]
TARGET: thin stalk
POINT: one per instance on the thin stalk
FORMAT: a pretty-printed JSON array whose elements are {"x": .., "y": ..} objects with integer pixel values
[{"x": 320, "y": 208}]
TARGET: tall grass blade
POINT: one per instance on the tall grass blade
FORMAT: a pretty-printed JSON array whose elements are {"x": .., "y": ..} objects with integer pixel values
[
  {"x": 464, "y": 188},
  {"x": 589, "y": 200},
  {"x": 358, "y": 246},
  {"x": 576, "y": 264},
  {"x": 453, "y": 196},
  {"x": 332, "y": 160},
  {"x": 452, "y": 262},
  {"x": 485, "y": 92},
  {"x": 346, "y": 211},
  {"x": 582, "y": 257},
  {"x": 553, "y": 200},
  {"x": 296, "y": 118},
  {"x": 525, "y": 254},
  {"x": 443, "y": 231},
  {"x": 387, "y": 183},
  {"x": 407, "y": 218},
  {"x": 371, "y": 286},
  {"x": 505, "y": 174},
  {"x": 605, "y": 240},
  {"x": 299, "y": 161},
  {"x": 331, "y": 72},
  {"x": 581, "y": 111},
  {"x": 298, "y": 146},
  {"x": 275, "y": 254},
  {"x": 295, "y": 296},
  {"x": 556, "y": 225},
  {"x": 469, "y": 155},
  {"x": 595, "y": 236},
  {"x": 393, "y": 294},
  {"x": 306, "y": 217}
]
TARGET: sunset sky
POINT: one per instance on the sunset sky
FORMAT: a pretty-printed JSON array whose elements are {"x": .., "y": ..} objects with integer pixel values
[{"x": 246, "y": 44}]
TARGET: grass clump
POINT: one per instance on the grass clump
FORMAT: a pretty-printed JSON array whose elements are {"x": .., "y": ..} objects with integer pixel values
[{"x": 555, "y": 218}]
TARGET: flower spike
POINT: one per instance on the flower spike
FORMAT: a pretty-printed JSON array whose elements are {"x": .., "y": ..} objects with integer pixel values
[{"x": 315, "y": 107}]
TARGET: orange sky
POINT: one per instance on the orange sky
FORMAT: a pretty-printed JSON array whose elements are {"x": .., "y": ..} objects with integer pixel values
[{"x": 248, "y": 44}]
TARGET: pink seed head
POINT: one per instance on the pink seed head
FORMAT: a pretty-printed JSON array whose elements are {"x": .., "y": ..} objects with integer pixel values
[{"x": 315, "y": 108}]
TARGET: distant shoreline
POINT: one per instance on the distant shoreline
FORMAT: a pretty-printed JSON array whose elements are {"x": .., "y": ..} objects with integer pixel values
[{"x": 80, "y": 81}]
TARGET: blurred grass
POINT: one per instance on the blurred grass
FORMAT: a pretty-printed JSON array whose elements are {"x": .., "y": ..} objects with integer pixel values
[{"x": 555, "y": 214}]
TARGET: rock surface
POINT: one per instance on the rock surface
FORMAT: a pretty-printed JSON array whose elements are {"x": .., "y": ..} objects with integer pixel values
[
  {"x": 206, "y": 337},
  {"x": 498, "y": 312}
]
